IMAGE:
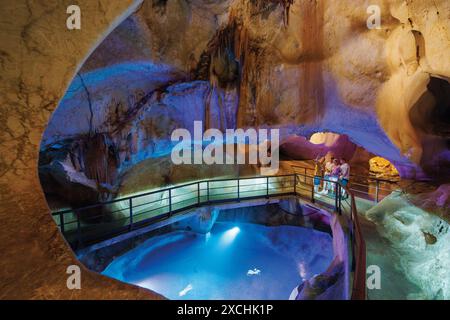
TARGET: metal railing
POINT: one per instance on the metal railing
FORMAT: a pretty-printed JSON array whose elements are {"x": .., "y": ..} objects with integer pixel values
[
  {"x": 94, "y": 223},
  {"x": 358, "y": 245},
  {"x": 365, "y": 187},
  {"x": 97, "y": 222}
]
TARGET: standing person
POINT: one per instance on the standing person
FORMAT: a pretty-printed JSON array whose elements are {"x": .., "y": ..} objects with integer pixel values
[
  {"x": 344, "y": 176},
  {"x": 318, "y": 172},
  {"x": 328, "y": 169},
  {"x": 335, "y": 174}
]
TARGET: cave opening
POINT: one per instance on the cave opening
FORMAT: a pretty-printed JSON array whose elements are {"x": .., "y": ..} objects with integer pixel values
[
  {"x": 304, "y": 149},
  {"x": 364, "y": 162},
  {"x": 372, "y": 176},
  {"x": 431, "y": 113}
]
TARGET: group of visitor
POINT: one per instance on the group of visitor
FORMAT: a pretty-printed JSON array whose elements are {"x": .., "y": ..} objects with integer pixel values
[{"x": 331, "y": 171}]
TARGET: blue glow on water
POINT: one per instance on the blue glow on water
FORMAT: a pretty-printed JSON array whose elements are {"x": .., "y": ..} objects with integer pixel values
[{"x": 247, "y": 261}]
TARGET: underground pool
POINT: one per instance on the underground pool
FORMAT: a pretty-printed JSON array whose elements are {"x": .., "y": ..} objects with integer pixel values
[{"x": 232, "y": 261}]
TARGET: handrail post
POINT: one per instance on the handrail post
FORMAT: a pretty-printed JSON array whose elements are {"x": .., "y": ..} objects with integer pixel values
[
  {"x": 336, "y": 196},
  {"x": 61, "y": 222},
  {"x": 340, "y": 198},
  {"x": 78, "y": 228},
  {"x": 170, "y": 202},
  {"x": 313, "y": 200},
  {"x": 267, "y": 187},
  {"x": 130, "y": 204},
  {"x": 198, "y": 193},
  {"x": 351, "y": 206},
  {"x": 377, "y": 185},
  {"x": 238, "y": 193}
]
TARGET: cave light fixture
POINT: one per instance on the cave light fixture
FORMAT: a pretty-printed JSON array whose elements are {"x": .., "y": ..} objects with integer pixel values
[{"x": 229, "y": 236}]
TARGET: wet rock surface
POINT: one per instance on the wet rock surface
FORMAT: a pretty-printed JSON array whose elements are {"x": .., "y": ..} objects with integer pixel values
[
  {"x": 321, "y": 287},
  {"x": 417, "y": 243}
]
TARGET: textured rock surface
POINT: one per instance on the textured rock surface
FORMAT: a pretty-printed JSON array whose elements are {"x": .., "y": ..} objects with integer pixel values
[
  {"x": 333, "y": 283},
  {"x": 302, "y": 149},
  {"x": 202, "y": 222},
  {"x": 321, "y": 69},
  {"x": 38, "y": 59},
  {"x": 419, "y": 243},
  {"x": 436, "y": 201},
  {"x": 381, "y": 168}
]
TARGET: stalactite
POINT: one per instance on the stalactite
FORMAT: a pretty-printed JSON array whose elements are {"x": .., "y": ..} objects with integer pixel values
[
  {"x": 265, "y": 5},
  {"x": 88, "y": 97},
  {"x": 285, "y": 3},
  {"x": 232, "y": 43},
  {"x": 207, "y": 119},
  {"x": 100, "y": 159},
  {"x": 159, "y": 6}
]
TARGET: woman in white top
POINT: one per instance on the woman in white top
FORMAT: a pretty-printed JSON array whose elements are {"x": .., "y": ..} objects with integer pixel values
[{"x": 327, "y": 183}]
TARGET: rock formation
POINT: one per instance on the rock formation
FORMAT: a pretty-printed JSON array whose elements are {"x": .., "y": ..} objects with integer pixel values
[
  {"x": 38, "y": 59},
  {"x": 419, "y": 239},
  {"x": 381, "y": 168},
  {"x": 287, "y": 64}
]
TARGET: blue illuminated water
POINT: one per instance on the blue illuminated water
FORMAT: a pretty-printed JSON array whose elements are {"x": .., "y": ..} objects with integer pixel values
[{"x": 233, "y": 261}]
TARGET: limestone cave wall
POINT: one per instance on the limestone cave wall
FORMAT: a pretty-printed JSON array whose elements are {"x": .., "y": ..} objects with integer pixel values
[{"x": 301, "y": 66}]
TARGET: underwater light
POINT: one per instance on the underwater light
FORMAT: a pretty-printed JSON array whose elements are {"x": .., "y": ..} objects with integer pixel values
[
  {"x": 234, "y": 231},
  {"x": 185, "y": 290},
  {"x": 229, "y": 235}
]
